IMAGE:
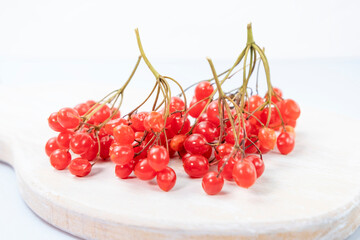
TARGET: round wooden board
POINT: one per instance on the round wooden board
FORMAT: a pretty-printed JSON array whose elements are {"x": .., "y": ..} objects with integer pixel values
[{"x": 314, "y": 193}]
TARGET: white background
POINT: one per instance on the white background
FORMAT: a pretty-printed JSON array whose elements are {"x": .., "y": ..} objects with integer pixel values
[{"x": 312, "y": 47}]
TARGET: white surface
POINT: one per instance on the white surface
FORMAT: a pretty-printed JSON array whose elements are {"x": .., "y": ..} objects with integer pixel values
[
  {"x": 93, "y": 29},
  {"x": 332, "y": 74}
]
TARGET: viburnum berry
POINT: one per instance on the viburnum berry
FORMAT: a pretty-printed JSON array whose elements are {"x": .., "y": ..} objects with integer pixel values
[
  {"x": 54, "y": 124},
  {"x": 208, "y": 130},
  {"x": 180, "y": 125},
  {"x": 101, "y": 115},
  {"x": 230, "y": 137},
  {"x": 258, "y": 164},
  {"x": 290, "y": 109},
  {"x": 166, "y": 179},
  {"x": 227, "y": 171},
  {"x": 208, "y": 153},
  {"x": 92, "y": 152},
  {"x": 176, "y": 104},
  {"x": 212, "y": 184},
  {"x": 285, "y": 143},
  {"x": 196, "y": 107},
  {"x": 105, "y": 143},
  {"x": 244, "y": 174},
  {"x": 51, "y": 145},
  {"x": 63, "y": 139},
  {"x": 68, "y": 118},
  {"x": 196, "y": 166},
  {"x": 254, "y": 103},
  {"x": 90, "y": 103},
  {"x": 154, "y": 121},
  {"x": 267, "y": 138},
  {"x": 177, "y": 142},
  {"x": 223, "y": 150},
  {"x": 124, "y": 171},
  {"x": 144, "y": 171},
  {"x": 80, "y": 167},
  {"x": 60, "y": 159},
  {"x": 109, "y": 126},
  {"x": 80, "y": 143},
  {"x": 82, "y": 108},
  {"x": 124, "y": 135},
  {"x": 196, "y": 144},
  {"x": 203, "y": 90},
  {"x": 158, "y": 157},
  {"x": 137, "y": 121},
  {"x": 122, "y": 154},
  {"x": 115, "y": 113}
]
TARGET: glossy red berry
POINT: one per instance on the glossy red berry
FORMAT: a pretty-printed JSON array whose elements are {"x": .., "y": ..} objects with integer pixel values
[
  {"x": 244, "y": 174},
  {"x": 258, "y": 164},
  {"x": 254, "y": 103},
  {"x": 290, "y": 109},
  {"x": 180, "y": 125},
  {"x": 68, "y": 118},
  {"x": 166, "y": 179},
  {"x": 158, "y": 157},
  {"x": 203, "y": 90},
  {"x": 92, "y": 152},
  {"x": 230, "y": 137},
  {"x": 228, "y": 167},
  {"x": 154, "y": 121},
  {"x": 63, "y": 139},
  {"x": 143, "y": 170},
  {"x": 109, "y": 126},
  {"x": 212, "y": 113},
  {"x": 54, "y": 124},
  {"x": 82, "y": 108},
  {"x": 176, "y": 104},
  {"x": 196, "y": 107},
  {"x": 177, "y": 142},
  {"x": 124, "y": 171},
  {"x": 105, "y": 143},
  {"x": 267, "y": 138},
  {"x": 223, "y": 150},
  {"x": 80, "y": 167},
  {"x": 100, "y": 115},
  {"x": 209, "y": 130},
  {"x": 80, "y": 143},
  {"x": 60, "y": 159},
  {"x": 137, "y": 121},
  {"x": 196, "y": 144},
  {"x": 212, "y": 184},
  {"x": 124, "y": 135},
  {"x": 122, "y": 154},
  {"x": 196, "y": 166},
  {"x": 285, "y": 143},
  {"x": 51, "y": 145}
]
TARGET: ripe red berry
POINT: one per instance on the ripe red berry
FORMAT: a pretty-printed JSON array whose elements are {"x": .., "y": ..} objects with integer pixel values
[
  {"x": 92, "y": 152},
  {"x": 203, "y": 90},
  {"x": 177, "y": 142},
  {"x": 196, "y": 144},
  {"x": 223, "y": 150},
  {"x": 158, "y": 157},
  {"x": 196, "y": 166},
  {"x": 212, "y": 184},
  {"x": 176, "y": 104},
  {"x": 180, "y": 125},
  {"x": 60, "y": 159},
  {"x": 285, "y": 143},
  {"x": 105, "y": 143},
  {"x": 267, "y": 138},
  {"x": 208, "y": 130},
  {"x": 244, "y": 174},
  {"x": 143, "y": 170},
  {"x": 109, "y": 126},
  {"x": 68, "y": 118},
  {"x": 124, "y": 135},
  {"x": 228, "y": 168},
  {"x": 290, "y": 109},
  {"x": 80, "y": 167},
  {"x": 137, "y": 121},
  {"x": 196, "y": 107},
  {"x": 254, "y": 102},
  {"x": 54, "y": 124},
  {"x": 212, "y": 112},
  {"x": 166, "y": 179},
  {"x": 51, "y": 145},
  {"x": 63, "y": 139},
  {"x": 90, "y": 103},
  {"x": 124, "y": 171},
  {"x": 258, "y": 164},
  {"x": 154, "y": 121},
  {"x": 82, "y": 108},
  {"x": 122, "y": 154},
  {"x": 230, "y": 137},
  {"x": 80, "y": 143}
]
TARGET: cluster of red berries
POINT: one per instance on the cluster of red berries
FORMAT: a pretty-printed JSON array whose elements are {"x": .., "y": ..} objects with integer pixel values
[{"x": 145, "y": 142}]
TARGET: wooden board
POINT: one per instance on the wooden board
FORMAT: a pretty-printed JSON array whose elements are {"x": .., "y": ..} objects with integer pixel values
[{"x": 314, "y": 193}]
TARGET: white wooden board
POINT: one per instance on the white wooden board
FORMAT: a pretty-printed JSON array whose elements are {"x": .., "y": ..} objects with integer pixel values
[{"x": 314, "y": 193}]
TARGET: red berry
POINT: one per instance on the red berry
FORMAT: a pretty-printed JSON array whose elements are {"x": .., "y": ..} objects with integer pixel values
[
  {"x": 158, "y": 157},
  {"x": 196, "y": 107},
  {"x": 82, "y": 108},
  {"x": 80, "y": 143},
  {"x": 100, "y": 115},
  {"x": 105, "y": 143},
  {"x": 122, "y": 154},
  {"x": 115, "y": 112},
  {"x": 212, "y": 184},
  {"x": 176, "y": 104},
  {"x": 137, "y": 121},
  {"x": 60, "y": 159},
  {"x": 258, "y": 164},
  {"x": 196, "y": 144},
  {"x": 230, "y": 137},
  {"x": 244, "y": 174},
  {"x": 124, "y": 171},
  {"x": 124, "y": 135},
  {"x": 154, "y": 122},
  {"x": 208, "y": 130},
  {"x": 92, "y": 152},
  {"x": 267, "y": 138},
  {"x": 63, "y": 139},
  {"x": 166, "y": 179},
  {"x": 80, "y": 167},
  {"x": 212, "y": 112},
  {"x": 54, "y": 124},
  {"x": 90, "y": 103},
  {"x": 68, "y": 118},
  {"x": 254, "y": 103},
  {"x": 196, "y": 166},
  {"x": 180, "y": 125},
  {"x": 203, "y": 90},
  {"x": 285, "y": 143},
  {"x": 51, "y": 145},
  {"x": 109, "y": 126},
  {"x": 177, "y": 142},
  {"x": 290, "y": 109},
  {"x": 143, "y": 170},
  {"x": 228, "y": 168},
  {"x": 223, "y": 150}
]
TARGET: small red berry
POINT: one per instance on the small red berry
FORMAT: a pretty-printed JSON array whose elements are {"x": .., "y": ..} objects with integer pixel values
[
  {"x": 196, "y": 166},
  {"x": 212, "y": 184},
  {"x": 244, "y": 174},
  {"x": 166, "y": 179},
  {"x": 143, "y": 170},
  {"x": 158, "y": 157},
  {"x": 80, "y": 167},
  {"x": 60, "y": 159},
  {"x": 68, "y": 118}
]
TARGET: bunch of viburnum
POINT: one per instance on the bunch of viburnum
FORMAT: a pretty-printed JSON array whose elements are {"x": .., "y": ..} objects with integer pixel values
[{"x": 232, "y": 131}]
